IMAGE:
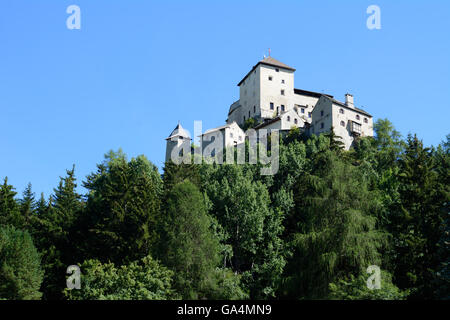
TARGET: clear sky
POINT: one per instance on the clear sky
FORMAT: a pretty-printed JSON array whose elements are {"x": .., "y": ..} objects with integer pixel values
[{"x": 137, "y": 67}]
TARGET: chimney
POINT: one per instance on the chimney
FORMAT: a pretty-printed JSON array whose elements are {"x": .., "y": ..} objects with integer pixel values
[{"x": 349, "y": 100}]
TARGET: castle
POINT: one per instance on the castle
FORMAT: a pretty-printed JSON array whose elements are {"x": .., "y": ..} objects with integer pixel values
[{"x": 268, "y": 96}]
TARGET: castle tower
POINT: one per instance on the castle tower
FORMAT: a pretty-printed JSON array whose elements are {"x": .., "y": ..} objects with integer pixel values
[
  {"x": 179, "y": 139},
  {"x": 267, "y": 87}
]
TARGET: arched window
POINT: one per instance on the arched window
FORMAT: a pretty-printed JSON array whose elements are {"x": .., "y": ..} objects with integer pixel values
[
  {"x": 343, "y": 123},
  {"x": 366, "y": 120},
  {"x": 357, "y": 117},
  {"x": 341, "y": 111},
  {"x": 295, "y": 121},
  {"x": 288, "y": 118}
]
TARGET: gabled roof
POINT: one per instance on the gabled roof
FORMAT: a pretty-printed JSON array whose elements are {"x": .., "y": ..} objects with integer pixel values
[
  {"x": 311, "y": 93},
  {"x": 220, "y": 128},
  {"x": 270, "y": 62},
  {"x": 276, "y": 119},
  {"x": 179, "y": 131},
  {"x": 347, "y": 107}
]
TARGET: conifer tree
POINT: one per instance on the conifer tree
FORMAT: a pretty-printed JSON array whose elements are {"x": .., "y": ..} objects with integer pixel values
[
  {"x": 27, "y": 206},
  {"x": 9, "y": 208},
  {"x": 336, "y": 232},
  {"x": 417, "y": 220},
  {"x": 190, "y": 247},
  {"x": 20, "y": 270},
  {"x": 119, "y": 223}
]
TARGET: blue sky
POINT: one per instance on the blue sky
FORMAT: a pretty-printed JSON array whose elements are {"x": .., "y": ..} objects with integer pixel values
[{"x": 137, "y": 67}]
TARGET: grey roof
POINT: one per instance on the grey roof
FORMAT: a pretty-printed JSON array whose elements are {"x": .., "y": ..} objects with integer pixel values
[
  {"x": 216, "y": 129},
  {"x": 179, "y": 131},
  {"x": 311, "y": 93},
  {"x": 234, "y": 106},
  {"x": 276, "y": 119},
  {"x": 349, "y": 108},
  {"x": 274, "y": 62},
  {"x": 270, "y": 62}
]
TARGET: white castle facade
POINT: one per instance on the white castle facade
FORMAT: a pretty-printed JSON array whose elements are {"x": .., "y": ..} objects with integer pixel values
[{"x": 267, "y": 94}]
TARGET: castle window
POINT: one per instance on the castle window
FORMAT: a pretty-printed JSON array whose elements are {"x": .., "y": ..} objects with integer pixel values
[
  {"x": 321, "y": 125},
  {"x": 303, "y": 110},
  {"x": 249, "y": 114},
  {"x": 341, "y": 111},
  {"x": 271, "y": 106},
  {"x": 282, "y": 80},
  {"x": 244, "y": 118},
  {"x": 254, "y": 109},
  {"x": 288, "y": 118},
  {"x": 366, "y": 120},
  {"x": 282, "y": 108},
  {"x": 270, "y": 78},
  {"x": 343, "y": 123},
  {"x": 357, "y": 117},
  {"x": 321, "y": 113},
  {"x": 277, "y": 70},
  {"x": 295, "y": 121},
  {"x": 309, "y": 114},
  {"x": 282, "y": 92}
]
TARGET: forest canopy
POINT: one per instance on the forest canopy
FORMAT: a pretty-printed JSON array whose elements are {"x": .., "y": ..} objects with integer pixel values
[{"x": 226, "y": 232}]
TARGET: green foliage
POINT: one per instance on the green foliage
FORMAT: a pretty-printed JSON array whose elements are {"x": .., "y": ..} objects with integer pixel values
[
  {"x": 336, "y": 228},
  {"x": 53, "y": 231},
  {"x": 355, "y": 288},
  {"x": 417, "y": 219},
  {"x": 190, "y": 247},
  {"x": 334, "y": 141},
  {"x": 249, "y": 124},
  {"x": 145, "y": 279},
  {"x": 242, "y": 207},
  {"x": 9, "y": 208},
  {"x": 20, "y": 270},
  {"x": 227, "y": 232},
  {"x": 123, "y": 209}
]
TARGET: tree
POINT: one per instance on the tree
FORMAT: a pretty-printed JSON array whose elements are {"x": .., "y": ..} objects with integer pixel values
[
  {"x": 417, "y": 220},
  {"x": 145, "y": 279},
  {"x": 53, "y": 229},
  {"x": 27, "y": 206},
  {"x": 335, "y": 141},
  {"x": 20, "y": 270},
  {"x": 9, "y": 208},
  {"x": 249, "y": 124},
  {"x": 355, "y": 288},
  {"x": 242, "y": 207},
  {"x": 119, "y": 223},
  {"x": 190, "y": 248},
  {"x": 336, "y": 231}
]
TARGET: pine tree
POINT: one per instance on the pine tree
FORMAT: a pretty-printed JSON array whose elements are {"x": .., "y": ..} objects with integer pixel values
[
  {"x": 120, "y": 221},
  {"x": 27, "y": 206},
  {"x": 9, "y": 208},
  {"x": 335, "y": 141},
  {"x": 190, "y": 247},
  {"x": 20, "y": 270},
  {"x": 336, "y": 231},
  {"x": 417, "y": 220}
]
